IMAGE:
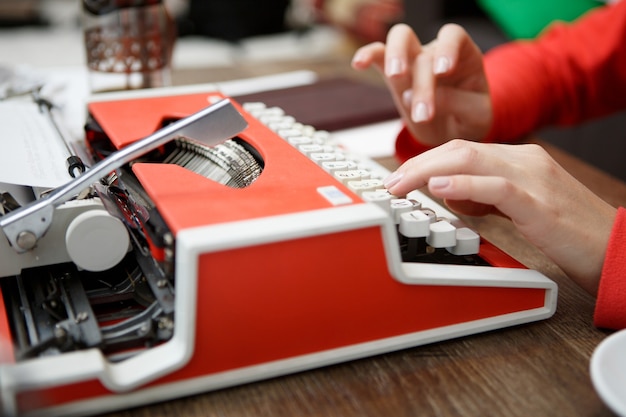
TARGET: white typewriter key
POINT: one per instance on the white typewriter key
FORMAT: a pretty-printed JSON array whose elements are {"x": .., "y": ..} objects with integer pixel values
[
  {"x": 288, "y": 120},
  {"x": 281, "y": 127},
  {"x": 254, "y": 106},
  {"x": 345, "y": 176},
  {"x": 442, "y": 235},
  {"x": 322, "y": 149},
  {"x": 352, "y": 175},
  {"x": 320, "y": 157},
  {"x": 340, "y": 156},
  {"x": 321, "y": 142},
  {"x": 365, "y": 174},
  {"x": 402, "y": 205},
  {"x": 289, "y": 133},
  {"x": 382, "y": 198},
  {"x": 278, "y": 127},
  {"x": 307, "y": 130},
  {"x": 415, "y": 223},
  {"x": 467, "y": 242},
  {"x": 333, "y": 166},
  {"x": 299, "y": 140},
  {"x": 274, "y": 111},
  {"x": 268, "y": 119},
  {"x": 321, "y": 135},
  {"x": 312, "y": 148},
  {"x": 299, "y": 126},
  {"x": 364, "y": 185}
]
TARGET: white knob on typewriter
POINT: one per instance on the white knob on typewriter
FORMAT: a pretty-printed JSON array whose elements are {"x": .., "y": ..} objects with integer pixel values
[{"x": 96, "y": 241}]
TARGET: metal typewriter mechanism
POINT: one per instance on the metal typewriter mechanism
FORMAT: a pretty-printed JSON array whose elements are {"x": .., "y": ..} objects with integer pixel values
[
  {"x": 189, "y": 217},
  {"x": 127, "y": 304}
]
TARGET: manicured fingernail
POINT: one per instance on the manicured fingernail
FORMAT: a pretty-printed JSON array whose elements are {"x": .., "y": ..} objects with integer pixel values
[
  {"x": 407, "y": 96},
  {"x": 392, "y": 179},
  {"x": 357, "y": 58},
  {"x": 393, "y": 67},
  {"x": 442, "y": 65},
  {"x": 438, "y": 182},
  {"x": 420, "y": 112}
]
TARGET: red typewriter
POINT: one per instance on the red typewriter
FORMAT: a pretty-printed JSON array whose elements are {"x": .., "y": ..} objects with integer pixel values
[{"x": 265, "y": 250}]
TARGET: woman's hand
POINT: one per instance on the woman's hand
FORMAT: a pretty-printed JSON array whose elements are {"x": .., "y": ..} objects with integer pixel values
[
  {"x": 550, "y": 208},
  {"x": 440, "y": 89}
]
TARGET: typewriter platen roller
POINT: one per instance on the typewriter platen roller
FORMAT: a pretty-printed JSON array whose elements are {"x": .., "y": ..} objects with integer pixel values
[{"x": 270, "y": 253}]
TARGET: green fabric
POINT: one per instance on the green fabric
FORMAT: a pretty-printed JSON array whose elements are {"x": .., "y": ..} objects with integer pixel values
[{"x": 525, "y": 19}]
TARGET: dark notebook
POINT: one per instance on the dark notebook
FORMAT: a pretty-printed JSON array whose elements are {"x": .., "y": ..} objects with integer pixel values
[{"x": 331, "y": 104}]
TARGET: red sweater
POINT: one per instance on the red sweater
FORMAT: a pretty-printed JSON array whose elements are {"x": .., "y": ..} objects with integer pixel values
[{"x": 572, "y": 73}]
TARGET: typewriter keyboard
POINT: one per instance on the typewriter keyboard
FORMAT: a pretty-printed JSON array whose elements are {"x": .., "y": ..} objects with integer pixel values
[{"x": 427, "y": 232}]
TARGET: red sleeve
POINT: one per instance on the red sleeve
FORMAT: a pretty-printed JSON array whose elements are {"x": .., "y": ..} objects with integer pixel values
[
  {"x": 571, "y": 73},
  {"x": 611, "y": 303},
  {"x": 407, "y": 147}
]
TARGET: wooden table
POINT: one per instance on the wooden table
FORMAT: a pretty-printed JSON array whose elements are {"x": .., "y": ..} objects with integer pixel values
[{"x": 538, "y": 369}]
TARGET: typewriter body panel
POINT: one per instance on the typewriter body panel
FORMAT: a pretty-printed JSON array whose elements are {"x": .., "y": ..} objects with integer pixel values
[{"x": 293, "y": 271}]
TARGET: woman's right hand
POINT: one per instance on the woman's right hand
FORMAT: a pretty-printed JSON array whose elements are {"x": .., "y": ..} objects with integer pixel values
[
  {"x": 440, "y": 88},
  {"x": 549, "y": 207}
]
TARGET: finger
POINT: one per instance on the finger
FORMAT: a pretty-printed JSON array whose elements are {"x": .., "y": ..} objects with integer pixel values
[
  {"x": 401, "y": 49},
  {"x": 450, "y": 40},
  {"x": 402, "y": 46},
  {"x": 423, "y": 96},
  {"x": 510, "y": 199},
  {"x": 454, "y": 157},
  {"x": 368, "y": 55}
]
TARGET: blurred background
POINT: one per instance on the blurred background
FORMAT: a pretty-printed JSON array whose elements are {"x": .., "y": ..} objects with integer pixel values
[{"x": 224, "y": 33}]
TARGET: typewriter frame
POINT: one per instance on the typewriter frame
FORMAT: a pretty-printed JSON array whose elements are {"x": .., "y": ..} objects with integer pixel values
[{"x": 294, "y": 316}]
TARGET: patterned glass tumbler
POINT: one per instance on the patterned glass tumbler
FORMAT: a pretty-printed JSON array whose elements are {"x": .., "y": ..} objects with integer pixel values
[{"x": 128, "y": 44}]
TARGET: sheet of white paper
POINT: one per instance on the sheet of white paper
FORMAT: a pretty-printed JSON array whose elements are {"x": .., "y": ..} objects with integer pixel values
[
  {"x": 32, "y": 153},
  {"x": 376, "y": 140}
]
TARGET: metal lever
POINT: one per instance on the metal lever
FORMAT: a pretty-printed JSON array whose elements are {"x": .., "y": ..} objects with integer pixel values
[{"x": 212, "y": 125}]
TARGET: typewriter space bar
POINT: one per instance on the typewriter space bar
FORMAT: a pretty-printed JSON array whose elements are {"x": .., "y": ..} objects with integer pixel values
[{"x": 212, "y": 125}]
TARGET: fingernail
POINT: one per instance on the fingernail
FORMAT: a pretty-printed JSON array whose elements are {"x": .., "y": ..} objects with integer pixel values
[
  {"x": 420, "y": 112},
  {"x": 438, "y": 182},
  {"x": 393, "y": 67},
  {"x": 392, "y": 179},
  {"x": 357, "y": 58},
  {"x": 442, "y": 65},
  {"x": 407, "y": 96}
]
